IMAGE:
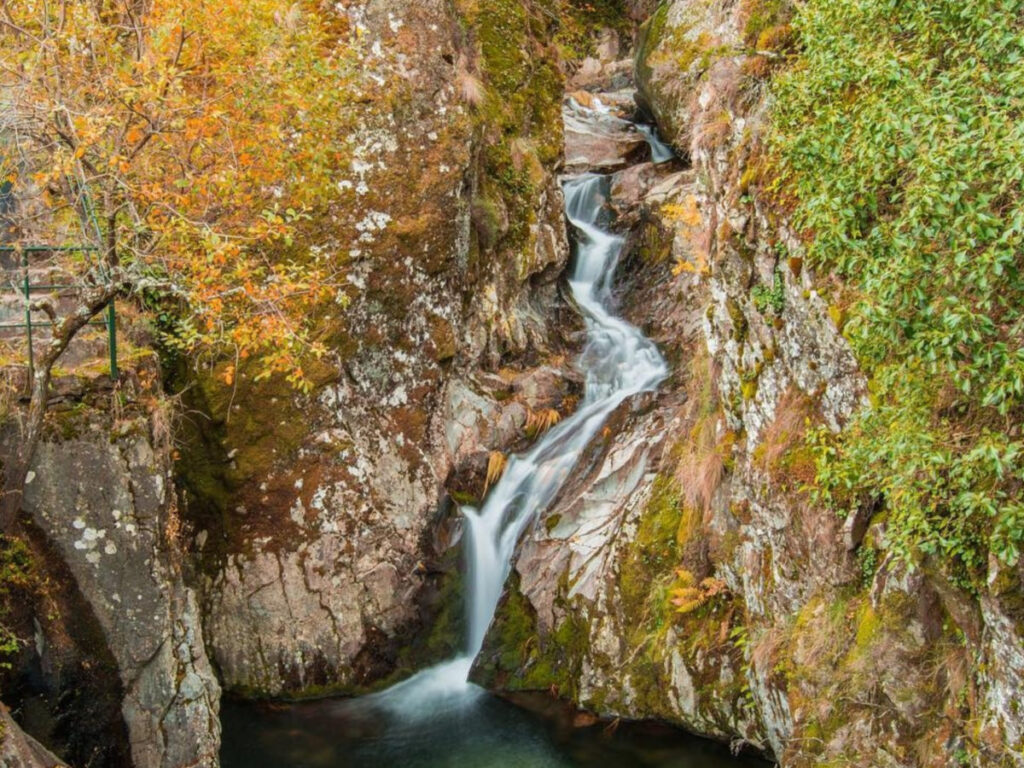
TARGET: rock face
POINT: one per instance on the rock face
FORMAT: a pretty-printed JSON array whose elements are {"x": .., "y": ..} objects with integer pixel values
[
  {"x": 19, "y": 750},
  {"x": 598, "y": 141},
  {"x": 314, "y": 541},
  {"x": 684, "y": 574},
  {"x": 101, "y": 497},
  {"x": 322, "y": 519},
  {"x": 109, "y": 510}
]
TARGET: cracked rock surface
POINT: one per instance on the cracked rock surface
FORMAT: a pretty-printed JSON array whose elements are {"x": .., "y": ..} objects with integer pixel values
[{"x": 108, "y": 508}]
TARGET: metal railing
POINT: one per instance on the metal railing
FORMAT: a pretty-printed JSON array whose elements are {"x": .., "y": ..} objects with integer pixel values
[{"x": 27, "y": 287}]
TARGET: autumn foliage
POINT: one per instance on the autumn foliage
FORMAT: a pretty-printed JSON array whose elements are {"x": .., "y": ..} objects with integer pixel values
[{"x": 207, "y": 135}]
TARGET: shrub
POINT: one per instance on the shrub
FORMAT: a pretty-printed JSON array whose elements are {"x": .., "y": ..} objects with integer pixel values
[{"x": 898, "y": 131}]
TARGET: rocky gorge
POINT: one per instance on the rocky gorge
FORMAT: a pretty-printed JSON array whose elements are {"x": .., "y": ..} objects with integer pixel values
[{"x": 258, "y": 543}]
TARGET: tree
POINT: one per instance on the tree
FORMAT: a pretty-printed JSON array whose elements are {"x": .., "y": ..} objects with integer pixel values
[{"x": 190, "y": 141}]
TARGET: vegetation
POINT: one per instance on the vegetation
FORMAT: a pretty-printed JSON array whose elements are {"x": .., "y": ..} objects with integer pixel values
[
  {"x": 687, "y": 595},
  {"x": 770, "y": 301},
  {"x": 230, "y": 98},
  {"x": 189, "y": 142},
  {"x": 579, "y": 19},
  {"x": 17, "y": 578},
  {"x": 898, "y": 130}
]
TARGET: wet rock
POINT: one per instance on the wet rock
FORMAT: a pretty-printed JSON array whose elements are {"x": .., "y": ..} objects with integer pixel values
[
  {"x": 467, "y": 480},
  {"x": 543, "y": 387},
  {"x": 595, "y": 140},
  {"x": 630, "y": 188}
]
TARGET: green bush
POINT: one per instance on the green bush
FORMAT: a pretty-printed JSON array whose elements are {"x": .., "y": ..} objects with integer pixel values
[{"x": 899, "y": 132}]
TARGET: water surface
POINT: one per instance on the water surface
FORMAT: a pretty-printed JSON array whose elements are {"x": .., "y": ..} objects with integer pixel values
[{"x": 489, "y": 733}]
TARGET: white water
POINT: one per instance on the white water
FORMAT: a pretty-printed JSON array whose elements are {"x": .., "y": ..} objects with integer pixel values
[
  {"x": 617, "y": 362},
  {"x": 660, "y": 151}
]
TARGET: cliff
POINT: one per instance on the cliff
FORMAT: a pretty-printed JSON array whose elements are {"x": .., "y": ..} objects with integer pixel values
[
  {"x": 690, "y": 572},
  {"x": 711, "y": 562},
  {"x": 272, "y": 542}
]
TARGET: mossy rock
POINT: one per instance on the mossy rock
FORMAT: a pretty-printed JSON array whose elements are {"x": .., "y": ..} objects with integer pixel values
[{"x": 653, "y": 553}]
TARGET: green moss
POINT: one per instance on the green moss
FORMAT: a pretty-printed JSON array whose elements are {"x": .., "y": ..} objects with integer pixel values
[
  {"x": 654, "y": 552},
  {"x": 487, "y": 221},
  {"x": 868, "y": 624},
  {"x": 522, "y": 107},
  {"x": 512, "y": 642},
  {"x": 446, "y": 626},
  {"x": 582, "y": 20},
  {"x": 464, "y": 498},
  {"x": 740, "y": 326},
  {"x": 655, "y": 243},
  {"x": 749, "y": 381},
  {"x": 559, "y": 658},
  {"x": 17, "y": 579},
  {"x": 649, "y": 38},
  {"x": 256, "y": 423},
  {"x": 764, "y": 15}
]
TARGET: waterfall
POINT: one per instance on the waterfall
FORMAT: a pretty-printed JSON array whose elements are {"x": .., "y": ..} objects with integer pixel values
[
  {"x": 660, "y": 151},
  {"x": 617, "y": 362}
]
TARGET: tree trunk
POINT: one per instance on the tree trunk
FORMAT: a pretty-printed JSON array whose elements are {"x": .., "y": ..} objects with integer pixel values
[
  {"x": 18, "y": 466},
  {"x": 94, "y": 300}
]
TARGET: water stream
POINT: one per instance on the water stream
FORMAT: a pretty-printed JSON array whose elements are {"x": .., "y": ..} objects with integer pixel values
[
  {"x": 660, "y": 151},
  {"x": 617, "y": 362},
  {"x": 437, "y": 717}
]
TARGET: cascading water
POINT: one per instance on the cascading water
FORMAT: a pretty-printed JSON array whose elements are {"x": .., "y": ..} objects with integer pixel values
[
  {"x": 617, "y": 362},
  {"x": 660, "y": 151},
  {"x": 438, "y": 719}
]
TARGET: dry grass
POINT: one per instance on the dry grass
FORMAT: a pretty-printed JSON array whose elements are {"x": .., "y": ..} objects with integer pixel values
[
  {"x": 496, "y": 464},
  {"x": 777, "y": 38},
  {"x": 687, "y": 595},
  {"x": 792, "y": 416},
  {"x": 701, "y": 464},
  {"x": 539, "y": 422},
  {"x": 468, "y": 85},
  {"x": 758, "y": 67},
  {"x": 8, "y": 396},
  {"x": 715, "y": 133},
  {"x": 174, "y": 529},
  {"x": 701, "y": 459},
  {"x": 783, "y": 453},
  {"x": 768, "y": 649},
  {"x": 950, "y": 667}
]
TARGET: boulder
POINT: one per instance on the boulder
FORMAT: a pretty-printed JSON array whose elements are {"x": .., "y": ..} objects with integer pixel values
[
  {"x": 596, "y": 140},
  {"x": 109, "y": 508},
  {"x": 19, "y": 750}
]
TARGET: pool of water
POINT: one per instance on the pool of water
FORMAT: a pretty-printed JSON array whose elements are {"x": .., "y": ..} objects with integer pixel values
[{"x": 486, "y": 733}]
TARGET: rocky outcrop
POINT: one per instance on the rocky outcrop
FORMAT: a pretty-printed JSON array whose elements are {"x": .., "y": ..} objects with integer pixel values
[
  {"x": 322, "y": 519},
  {"x": 19, "y": 750},
  {"x": 687, "y": 574},
  {"x": 598, "y": 140},
  {"x": 106, "y": 504}
]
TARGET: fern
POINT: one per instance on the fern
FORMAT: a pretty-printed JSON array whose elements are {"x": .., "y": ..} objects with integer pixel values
[{"x": 687, "y": 596}]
